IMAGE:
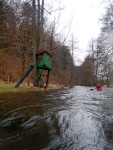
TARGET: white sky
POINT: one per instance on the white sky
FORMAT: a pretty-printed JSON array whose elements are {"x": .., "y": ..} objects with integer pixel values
[{"x": 85, "y": 23}]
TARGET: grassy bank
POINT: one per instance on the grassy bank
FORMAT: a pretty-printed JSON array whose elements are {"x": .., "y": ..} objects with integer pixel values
[{"x": 9, "y": 87}]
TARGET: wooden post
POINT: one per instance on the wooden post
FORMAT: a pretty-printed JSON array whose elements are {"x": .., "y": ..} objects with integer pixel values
[
  {"x": 1, "y": 80},
  {"x": 8, "y": 79},
  {"x": 47, "y": 79}
]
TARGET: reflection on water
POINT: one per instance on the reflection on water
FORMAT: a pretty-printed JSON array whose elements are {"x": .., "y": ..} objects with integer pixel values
[{"x": 68, "y": 119}]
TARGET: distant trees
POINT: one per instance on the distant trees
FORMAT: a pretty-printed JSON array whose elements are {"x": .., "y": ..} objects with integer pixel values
[
  {"x": 62, "y": 65},
  {"x": 17, "y": 41},
  {"x": 7, "y": 25},
  {"x": 24, "y": 29},
  {"x": 101, "y": 50},
  {"x": 7, "y": 36},
  {"x": 84, "y": 74},
  {"x": 24, "y": 36},
  {"x": 107, "y": 33}
]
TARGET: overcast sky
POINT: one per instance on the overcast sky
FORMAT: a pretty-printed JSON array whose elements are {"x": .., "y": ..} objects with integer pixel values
[{"x": 85, "y": 22}]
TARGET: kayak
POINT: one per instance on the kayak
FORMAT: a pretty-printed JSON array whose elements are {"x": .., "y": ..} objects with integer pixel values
[{"x": 99, "y": 89}]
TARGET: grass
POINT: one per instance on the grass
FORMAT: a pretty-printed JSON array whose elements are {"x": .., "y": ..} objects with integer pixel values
[{"x": 9, "y": 87}]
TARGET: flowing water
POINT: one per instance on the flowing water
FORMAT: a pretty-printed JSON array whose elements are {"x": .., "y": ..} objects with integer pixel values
[{"x": 69, "y": 119}]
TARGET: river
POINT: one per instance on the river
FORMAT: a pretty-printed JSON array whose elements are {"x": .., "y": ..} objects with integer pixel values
[{"x": 64, "y": 119}]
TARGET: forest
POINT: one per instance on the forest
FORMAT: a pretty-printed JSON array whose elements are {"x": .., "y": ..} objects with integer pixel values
[{"x": 25, "y": 28}]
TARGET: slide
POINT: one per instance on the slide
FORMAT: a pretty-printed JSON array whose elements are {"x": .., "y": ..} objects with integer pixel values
[{"x": 24, "y": 76}]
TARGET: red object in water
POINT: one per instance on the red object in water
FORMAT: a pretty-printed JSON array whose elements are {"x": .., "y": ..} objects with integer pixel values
[{"x": 99, "y": 88}]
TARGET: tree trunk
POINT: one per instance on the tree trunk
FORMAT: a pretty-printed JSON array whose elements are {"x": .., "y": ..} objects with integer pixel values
[
  {"x": 34, "y": 42},
  {"x": 41, "y": 25}
]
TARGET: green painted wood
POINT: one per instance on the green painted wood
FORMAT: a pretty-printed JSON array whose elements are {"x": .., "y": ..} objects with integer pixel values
[{"x": 44, "y": 60}]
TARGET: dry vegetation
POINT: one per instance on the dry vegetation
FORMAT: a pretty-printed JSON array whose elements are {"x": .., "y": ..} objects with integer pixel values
[{"x": 9, "y": 87}]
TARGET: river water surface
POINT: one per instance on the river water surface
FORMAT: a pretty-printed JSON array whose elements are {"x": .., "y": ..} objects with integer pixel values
[{"x": 67, "y": 119}]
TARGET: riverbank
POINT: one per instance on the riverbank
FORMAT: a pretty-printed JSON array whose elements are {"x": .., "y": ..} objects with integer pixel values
[{"x": 9, "y": 87}]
